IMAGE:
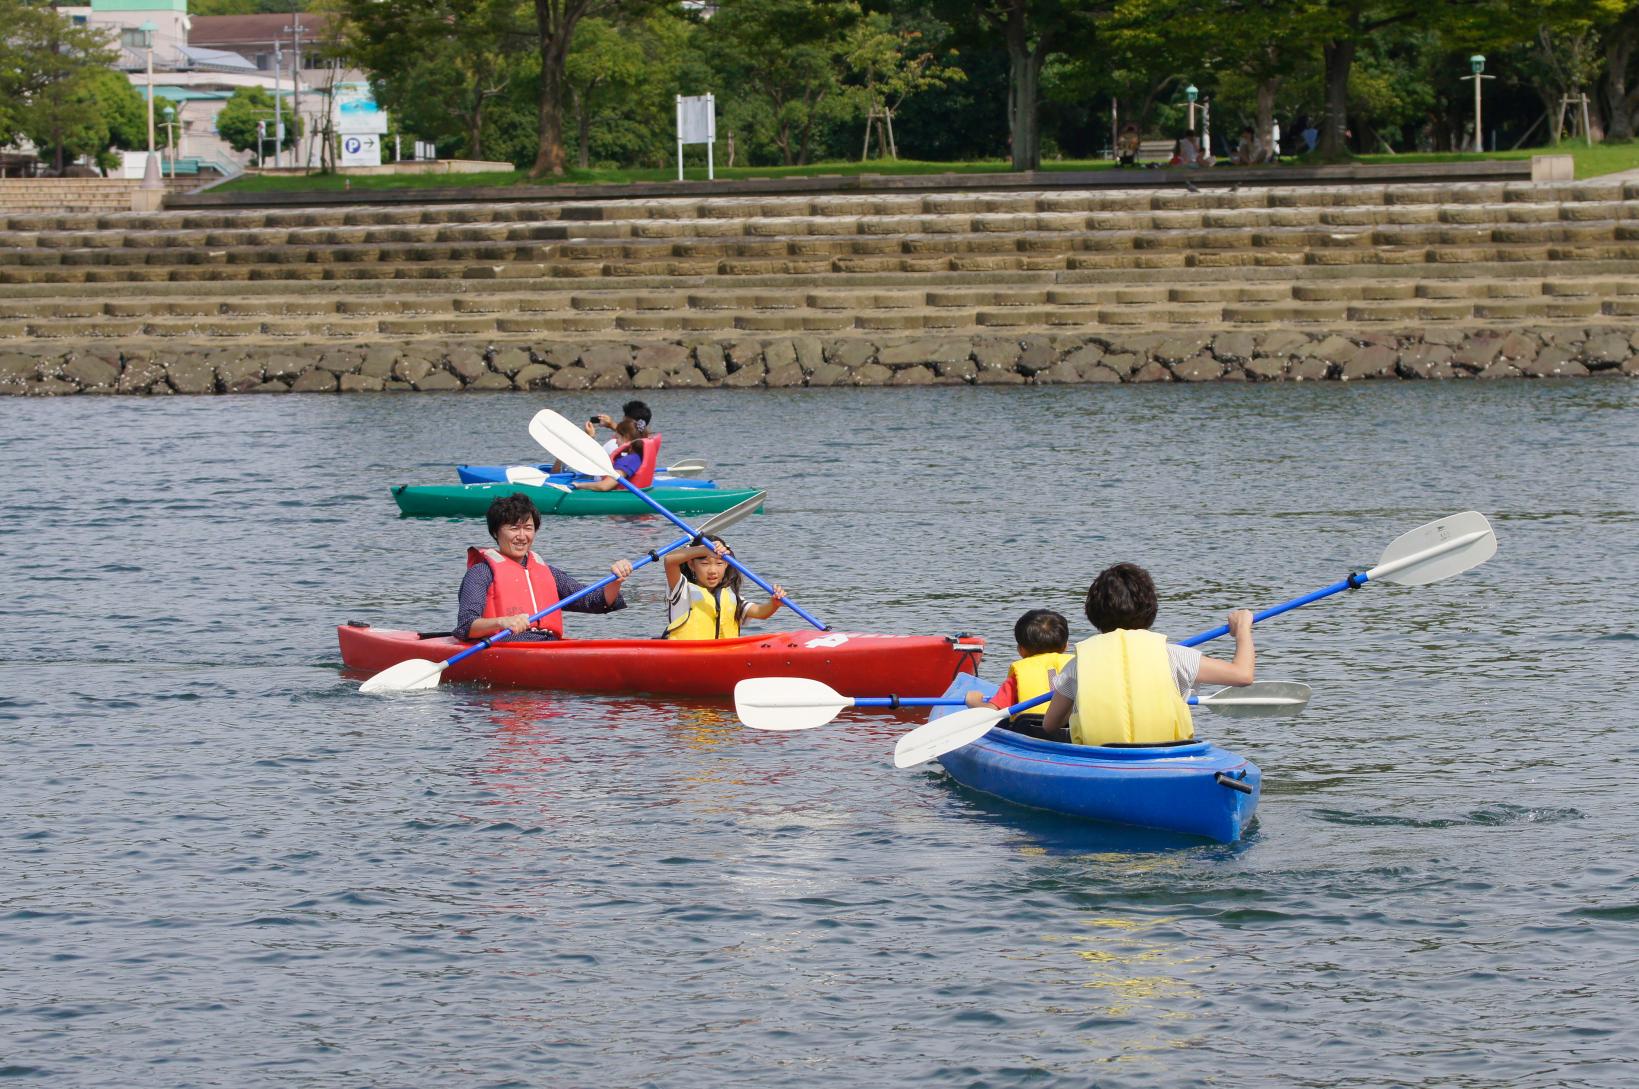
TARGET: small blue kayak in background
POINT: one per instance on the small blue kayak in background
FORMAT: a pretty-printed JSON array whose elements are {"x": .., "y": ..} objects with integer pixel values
[
  {"x": 497, "y": 474},
  {"x": 1193, "y": 788}
]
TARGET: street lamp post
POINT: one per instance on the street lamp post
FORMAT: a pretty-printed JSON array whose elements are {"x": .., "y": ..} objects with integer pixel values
[
  {"x": 1192, "y": 92},
  {"x": 147, "y": 30},
  {"x": 170, "y": 136},
  {"x": 295, "y": 31},
  {"x": 1477, "y": 64}
]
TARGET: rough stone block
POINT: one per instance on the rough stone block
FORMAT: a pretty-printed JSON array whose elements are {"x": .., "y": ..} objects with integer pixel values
[
  {"x": 1265, "y": 369},
  {"x": 711, "y": 361},
  {"x": 1202, "y": 367},
  {"x": 998, "y": 378},
  {"x": 1333, "y": 349},
  {"x": 1553, "y": 362},
  {"x": 810, "y": 353},
  {"x": 960, "y": 371},
  {"x": 829, "y": 374},
  {"x": 1501, "y": 369},
  {"x": 438, "y": 381},
  {"x": 191, "y": 374},
  {"x": 997, "y": 355},
  {"x": 489, "y": 380},
  {"x": 140, "y": 374},
  {"x": 1606, "y": 350},
  {"x": 1518, "y": 345},
  {"x": 688, "y": 377},
  {"x": 649, "y": 378},
  {"x": 749, "y": 374},
  {"x": 272, "y": 385},
  {"x": 912, "y": 376},
  {"x": 1176, "y": 348},
  {"x": 361, "y": 383},
  {"x": 1309, "y": 369},
  {"x": 508, "y": 361},
  {"x": 1281, "y": 343},
  {"x": 602, "y": 357},
  {"x": 1376, "y": 361},
  {"x": 17, "y": 369},
  {"x": 779, "y": 353},
  {"x": 1153, "y": 371},
  {"x": 317, "y": 380},
  {"x": 664, "y": 357},
  {"x": 411, "y": 369},
  {"x": 785, "y": 375},
  {"x": 742, "y": 354},
  {"x": 1062, "y": 373},
  {"x": 89, "y": 372},
  {"x": 238, "y": 375},
  {"x": 1233, "y": 347},
  {"x": 1477, "y": 353},
  {"x": 1035, "y": 357},
  {"x": 467, "y": 364},
  {"x": 872, "y": 374}
]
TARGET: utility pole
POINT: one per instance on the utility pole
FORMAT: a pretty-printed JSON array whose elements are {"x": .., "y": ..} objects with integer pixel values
[
  {"x": 295, "y": 31},
  {"x": 278, "y": 109}
]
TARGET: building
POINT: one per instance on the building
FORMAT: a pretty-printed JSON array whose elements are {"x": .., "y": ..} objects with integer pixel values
[{"x": 199, "y": 61}]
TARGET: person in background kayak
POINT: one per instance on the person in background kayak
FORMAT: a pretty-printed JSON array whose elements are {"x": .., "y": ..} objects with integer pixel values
[
  {"x": 703, "y": 594},
  {"x": 635, "y": 411},
  {"x": 1043, "y": 638},
  {"x": 1126, "y": 686},
  {"x": 506, "y": 585},
  {"x": 627, "y": 459}
]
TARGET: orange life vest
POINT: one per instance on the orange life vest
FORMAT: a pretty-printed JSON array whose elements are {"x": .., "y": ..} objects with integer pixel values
[{"x": 515, "y": 588}]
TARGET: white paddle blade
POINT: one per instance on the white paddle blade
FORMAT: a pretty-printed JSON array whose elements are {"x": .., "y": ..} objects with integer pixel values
[
  {"x": 786, "y": 703},
  {"x": 414, "y": 675},
  {"x": 569, "y": 444},
  {"x": 525, "y": 474},
  {"x": 944, "y": 735},
  {"x": 719, "y": 522},
  {"x": 687, "y": 468},
  {"x": 1265, "y": 699},
  {"x": 1437, "y": 551}
]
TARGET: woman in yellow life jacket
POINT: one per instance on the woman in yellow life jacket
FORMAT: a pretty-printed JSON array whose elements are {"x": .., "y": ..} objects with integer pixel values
[
  {"x": 1043, "y": 638},
  {"x": 1126, "y": 685},
  {"x": 703, "y": 594}
]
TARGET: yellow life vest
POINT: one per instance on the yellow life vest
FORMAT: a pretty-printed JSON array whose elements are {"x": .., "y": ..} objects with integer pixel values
[
  {"x": 1125, "y": 693},
  {"x": 1033, "y": 676},
  {"x": 710, "y": 616}
]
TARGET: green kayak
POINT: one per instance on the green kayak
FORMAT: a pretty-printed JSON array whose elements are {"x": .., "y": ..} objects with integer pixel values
[{"x": 473, "y": 500}]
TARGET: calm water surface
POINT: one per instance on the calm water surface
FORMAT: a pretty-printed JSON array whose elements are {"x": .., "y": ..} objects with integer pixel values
[{"x": 222, "y": 866}]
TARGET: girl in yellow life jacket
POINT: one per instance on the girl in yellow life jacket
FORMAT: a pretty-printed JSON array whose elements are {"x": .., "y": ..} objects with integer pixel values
[
  {"x": 1043, "y": 638},
  {"x": 703, "y": 594},
  {"x": 1126, "y": 685}
]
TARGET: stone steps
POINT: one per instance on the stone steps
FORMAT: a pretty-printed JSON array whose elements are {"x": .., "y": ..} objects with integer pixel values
[
  {"x": 1083, "y": 317},
  {"x": 1456, "y": 203}
]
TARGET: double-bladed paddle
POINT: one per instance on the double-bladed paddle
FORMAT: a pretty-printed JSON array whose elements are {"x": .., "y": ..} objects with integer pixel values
[
  {"x": 539, "y": 478},
  {"x": 1429, "y": 553},
  {"x": 418, "y": 673},
  {"x": 797, "y": 703},
  {"x": 572, "y": 446}
]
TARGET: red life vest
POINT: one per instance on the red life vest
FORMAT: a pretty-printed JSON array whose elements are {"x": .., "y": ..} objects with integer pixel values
[
  {"x": 514, "y": 588},
  {"x": 644, "y": 477}
]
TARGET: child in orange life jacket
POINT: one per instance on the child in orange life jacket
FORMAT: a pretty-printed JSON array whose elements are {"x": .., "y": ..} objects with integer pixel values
[
  {"x": 1126, "y": 685},
  {"x": 703, "y": 594},
  {"x": 1043, "y": 637}
]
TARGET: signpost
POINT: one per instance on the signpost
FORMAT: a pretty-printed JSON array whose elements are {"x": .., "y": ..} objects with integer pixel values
[
  {"x": 696, "y": 124},
  {"x": 360, "y": 123}
]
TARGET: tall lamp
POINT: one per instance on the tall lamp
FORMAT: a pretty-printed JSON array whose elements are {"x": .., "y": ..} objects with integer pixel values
[
  {"x": 147, "y": 30},
  {"x": 1192, "y": 92},
  {"x": 1477, "y": 64},
  {"x": 170, "y": 136}
]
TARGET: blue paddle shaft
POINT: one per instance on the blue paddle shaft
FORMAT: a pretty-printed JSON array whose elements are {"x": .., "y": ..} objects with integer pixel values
[
  {"x": 506, "y": 633},
  {"x": 732, "y": 562},
  {"x": 1353, "y": 582},
  {"x": 951, "y": 701}
]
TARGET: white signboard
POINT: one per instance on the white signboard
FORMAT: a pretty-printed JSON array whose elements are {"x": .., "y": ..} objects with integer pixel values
[
  {"x": 360, "y": 149},
  {"x": 696, "y": 124},
  {"x": 356, "y": 110}
]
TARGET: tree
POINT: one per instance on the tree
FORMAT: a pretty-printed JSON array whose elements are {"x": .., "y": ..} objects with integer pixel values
[
  {"x": 237, "y": 122},
  {"x": 890, "y": 69},
  {"x": 53, "y": 78},
  {"x": 790, "y": 54},
  {"x": 439, "y": 65},
  {"x": 1621, "y": 41}
]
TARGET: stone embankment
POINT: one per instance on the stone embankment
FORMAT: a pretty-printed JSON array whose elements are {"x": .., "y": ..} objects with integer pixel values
[{"x": 1301, "y": 284}]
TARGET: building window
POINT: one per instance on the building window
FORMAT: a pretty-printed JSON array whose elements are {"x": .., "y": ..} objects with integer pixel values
[
  {"x": 132, "y": 38},
  {"x": 79, "y": 20}
]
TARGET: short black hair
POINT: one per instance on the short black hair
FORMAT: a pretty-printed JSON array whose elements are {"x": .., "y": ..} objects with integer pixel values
[
  {"x": 637, "y": 410},
  {"x": 509, "y": 509},
  {"x": 1122, "y": 596},
  {"x": 1042, "y": 631}
]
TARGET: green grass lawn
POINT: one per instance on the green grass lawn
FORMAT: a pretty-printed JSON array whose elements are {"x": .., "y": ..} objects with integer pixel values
[{"x": 1590, "y": 162}]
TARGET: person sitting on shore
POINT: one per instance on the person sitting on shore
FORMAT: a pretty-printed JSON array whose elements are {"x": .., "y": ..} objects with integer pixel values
[
  {"x": 1127, "y": 145},
  {"x": 1246, "y": 150},
  {"x": 504, "y": 586},
  {"x": 1043, "y": 639},
  {"x": 1126, "y": 685}
]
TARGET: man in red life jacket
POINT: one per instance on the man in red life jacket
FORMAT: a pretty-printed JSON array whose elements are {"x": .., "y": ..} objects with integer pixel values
[{"x": 506, "y": 585}]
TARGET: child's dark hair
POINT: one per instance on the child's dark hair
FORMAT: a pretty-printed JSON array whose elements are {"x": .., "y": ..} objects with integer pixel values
[
  {"x": 1122, "y": 596},
  {"x": 731, "y": 580},
  {"x": 509, "y": 509},
  {"x": 637, "y": 410},
  {"x": 1042, "y": 631}
]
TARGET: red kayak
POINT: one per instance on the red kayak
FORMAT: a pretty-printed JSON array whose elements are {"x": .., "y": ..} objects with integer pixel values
[{"x": 853, "y": 663}]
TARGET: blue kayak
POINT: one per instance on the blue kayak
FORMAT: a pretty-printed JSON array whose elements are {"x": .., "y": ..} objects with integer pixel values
[
  {"x": 1174, "y": 788},
  {"x": 497, "y": 474}
]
